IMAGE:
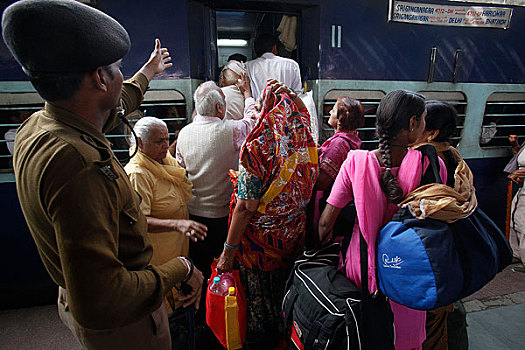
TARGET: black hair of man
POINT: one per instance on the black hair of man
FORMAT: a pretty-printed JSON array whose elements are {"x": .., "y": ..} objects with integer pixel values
[
  {"x": 56, "y": 86},
  {"x": 264, "y": 43},
  {"x": 238, "y": 57},
  {"x": 59, "y": 86}
]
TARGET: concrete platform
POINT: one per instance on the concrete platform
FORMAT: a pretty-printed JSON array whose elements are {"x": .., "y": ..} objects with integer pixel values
[
  {"x": 501, "y": 328},
  {"x": 507, "y": 288},
  {"x": 496, "y": 320},
  {"x": 35, "y": 328}
]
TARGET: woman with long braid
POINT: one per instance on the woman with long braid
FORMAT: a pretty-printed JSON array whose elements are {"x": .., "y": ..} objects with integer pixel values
[{"x": 376, "y": 181}]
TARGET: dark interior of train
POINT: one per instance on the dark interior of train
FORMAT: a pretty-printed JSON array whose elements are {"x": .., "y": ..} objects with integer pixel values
[{"x": 237, "y": 30}]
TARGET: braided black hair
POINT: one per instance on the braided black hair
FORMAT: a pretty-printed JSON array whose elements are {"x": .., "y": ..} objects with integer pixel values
[{"x": 393, "y": 115}]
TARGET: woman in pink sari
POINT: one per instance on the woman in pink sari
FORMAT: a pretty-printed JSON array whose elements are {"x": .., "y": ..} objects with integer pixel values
[
  {"x": 345, "y": 117},
  {"x": 376, "y": 181}
]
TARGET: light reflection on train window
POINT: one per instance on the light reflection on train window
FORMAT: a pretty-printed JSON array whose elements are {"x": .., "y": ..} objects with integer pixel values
[
  {"x": 504, "y": 115},
  {"x": 370, "y": 100}
]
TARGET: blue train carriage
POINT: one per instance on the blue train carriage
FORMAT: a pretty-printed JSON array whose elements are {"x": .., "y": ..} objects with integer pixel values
[{"x": 467, "y": 53}]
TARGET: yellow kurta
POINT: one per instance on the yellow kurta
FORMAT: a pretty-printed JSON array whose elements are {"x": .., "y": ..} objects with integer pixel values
[{"x": 161, "y": 199}]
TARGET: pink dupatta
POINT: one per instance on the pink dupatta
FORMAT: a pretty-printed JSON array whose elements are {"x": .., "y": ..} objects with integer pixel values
[{"x": 358, "y": 179}]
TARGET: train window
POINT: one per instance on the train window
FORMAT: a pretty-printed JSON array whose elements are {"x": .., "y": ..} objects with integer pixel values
[
  {"x": 504, "y": 115},
  {"x": 369, "y": 99},
  {"x": 168, "y": 105},
  {"x": 458, "y": 101},
  {"x": 14, "y": 109}
]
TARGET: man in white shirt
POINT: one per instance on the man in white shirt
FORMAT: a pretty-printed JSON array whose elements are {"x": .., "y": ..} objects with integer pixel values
[
  {"x": 208, "y": 148},
  {"x": 268, "y": 65}
]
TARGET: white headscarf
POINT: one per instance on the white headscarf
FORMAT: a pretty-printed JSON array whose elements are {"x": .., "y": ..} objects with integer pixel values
[{"x": 236, "y": 66}]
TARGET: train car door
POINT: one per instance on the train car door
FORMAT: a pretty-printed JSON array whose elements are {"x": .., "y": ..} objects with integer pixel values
[{"x": 233, "y": 27}]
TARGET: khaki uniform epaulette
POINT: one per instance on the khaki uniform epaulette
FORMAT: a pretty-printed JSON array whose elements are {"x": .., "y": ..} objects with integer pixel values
[
  {"x": 88, "y": 150},
  {"x": 106, "y": 160}
]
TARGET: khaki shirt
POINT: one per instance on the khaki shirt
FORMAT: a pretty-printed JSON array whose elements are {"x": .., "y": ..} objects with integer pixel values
[{"x": 85, "y": 217}]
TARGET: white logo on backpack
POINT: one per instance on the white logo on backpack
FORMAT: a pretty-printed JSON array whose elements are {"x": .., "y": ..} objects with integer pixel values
[{"x": 392, "y": 263}]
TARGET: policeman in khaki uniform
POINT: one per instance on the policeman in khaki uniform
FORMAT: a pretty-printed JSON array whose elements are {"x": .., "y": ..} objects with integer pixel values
[{"x": 78, "y": 203}]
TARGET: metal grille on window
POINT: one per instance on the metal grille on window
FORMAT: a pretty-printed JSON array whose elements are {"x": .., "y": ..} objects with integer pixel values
[
  {"x": 370, "y": 101},
  {"x": 504, "y": 115}
]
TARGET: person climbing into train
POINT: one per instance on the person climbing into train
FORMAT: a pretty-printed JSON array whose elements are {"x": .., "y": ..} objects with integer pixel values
[
  {"x": 346, "y": 116},
  {"x": 233, "y": 73},
  {"x": 268, "y": 65}
]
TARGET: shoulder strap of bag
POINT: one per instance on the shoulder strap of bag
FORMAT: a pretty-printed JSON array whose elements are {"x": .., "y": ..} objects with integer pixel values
[
  {"x": 432, "y": 173},
  {"x": 347, "y": 141},
  {"x": 363, "y": 252}
]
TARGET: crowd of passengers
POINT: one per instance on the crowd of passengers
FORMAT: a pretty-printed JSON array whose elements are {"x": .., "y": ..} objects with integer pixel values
[
  {"x": 236, "y": 186},
  {"x": 265, "y": 153}
]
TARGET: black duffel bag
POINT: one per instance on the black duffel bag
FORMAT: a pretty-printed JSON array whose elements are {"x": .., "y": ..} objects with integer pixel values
[{"x": 323, "y": 309}]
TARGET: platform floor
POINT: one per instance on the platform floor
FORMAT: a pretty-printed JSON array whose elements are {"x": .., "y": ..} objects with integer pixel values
[
  {"x": 500, "y": 328},
  {"x": 496, "y": 320},
  {"x": 35, "y": 328}
]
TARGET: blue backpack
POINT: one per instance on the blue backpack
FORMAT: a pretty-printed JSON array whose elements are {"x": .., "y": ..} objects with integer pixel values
[{"x": 426, "y": 264}]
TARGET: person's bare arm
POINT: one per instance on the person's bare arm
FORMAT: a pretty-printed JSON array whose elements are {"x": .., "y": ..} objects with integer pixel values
[
  {"x": 327, "y": 221},
  {"x": 323, "y": 181},
  {"x": 190, "y": 228},
  {"x": 244, "y": 211},
  {"x": 517, "y": 176},
  {"x": 159, "y": 60}
]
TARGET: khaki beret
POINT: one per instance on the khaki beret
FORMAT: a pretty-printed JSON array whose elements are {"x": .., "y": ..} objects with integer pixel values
[{"x": 62, "y": 36}]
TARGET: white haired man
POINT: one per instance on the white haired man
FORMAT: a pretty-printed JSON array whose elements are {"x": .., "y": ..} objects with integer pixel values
[{"x": 208, "y": 148}]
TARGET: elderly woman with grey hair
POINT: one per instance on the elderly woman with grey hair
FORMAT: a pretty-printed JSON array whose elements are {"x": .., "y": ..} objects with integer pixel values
[{"x": 165, "y": 190}]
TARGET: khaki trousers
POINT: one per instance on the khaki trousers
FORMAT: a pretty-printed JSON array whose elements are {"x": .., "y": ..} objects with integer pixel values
[{"x": 151, "y": 332}]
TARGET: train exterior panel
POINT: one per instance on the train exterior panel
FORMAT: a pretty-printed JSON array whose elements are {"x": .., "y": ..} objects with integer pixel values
[{"x": 344, "y": 48}]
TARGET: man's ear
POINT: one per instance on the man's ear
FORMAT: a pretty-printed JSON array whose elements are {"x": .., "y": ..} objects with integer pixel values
[
  {"x": 221, "y": 108},
  {"x": 140, "y": 144},
  {"x": 100, "y": 78}
]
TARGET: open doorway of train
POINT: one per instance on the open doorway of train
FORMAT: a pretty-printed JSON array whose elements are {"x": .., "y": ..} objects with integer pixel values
[{"x": 237, "y": 30}]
